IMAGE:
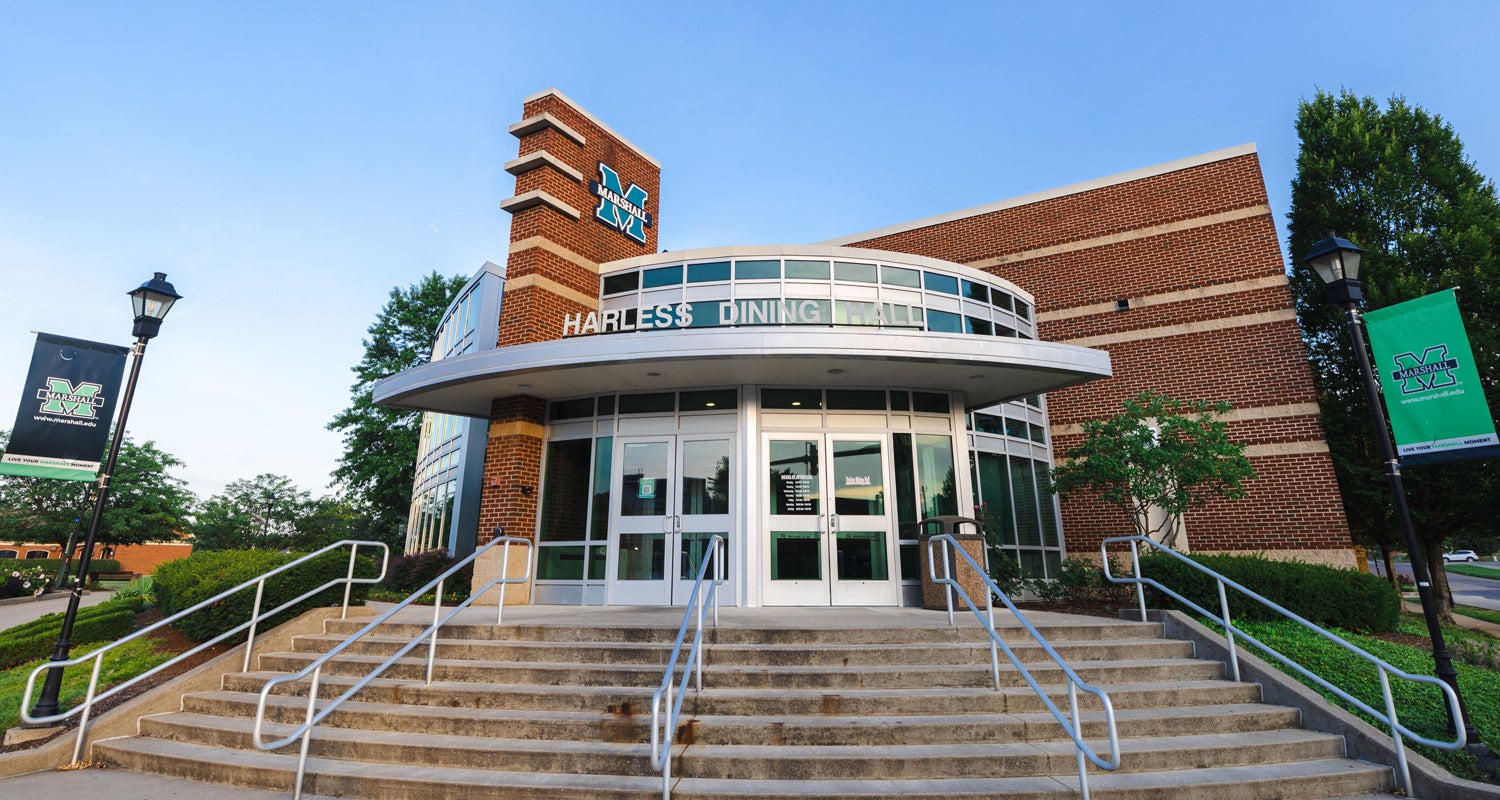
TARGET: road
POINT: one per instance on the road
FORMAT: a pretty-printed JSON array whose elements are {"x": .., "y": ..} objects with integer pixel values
[{"x": 1467, "y": 591}]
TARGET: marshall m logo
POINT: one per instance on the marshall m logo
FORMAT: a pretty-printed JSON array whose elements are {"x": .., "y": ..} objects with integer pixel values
[{"x": 621, "y": 208}]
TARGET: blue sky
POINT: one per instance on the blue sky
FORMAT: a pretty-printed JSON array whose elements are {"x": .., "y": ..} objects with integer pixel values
[{"x": 287, "y": 164}]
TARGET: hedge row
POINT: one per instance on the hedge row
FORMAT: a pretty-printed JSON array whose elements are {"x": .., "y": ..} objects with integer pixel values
[
  {"x": 1338, "y": 598},
  {"x": 51, "y": 565},
  {"x": 109, "y": 620},
  {"x": 188, "y": 581}
]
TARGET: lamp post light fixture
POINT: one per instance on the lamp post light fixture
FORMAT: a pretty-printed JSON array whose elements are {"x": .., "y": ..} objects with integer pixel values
[
  {"x": 151, "y": 300},
  {"x": 265, "y": 523},
  {"x": 1337, "y": 261}
]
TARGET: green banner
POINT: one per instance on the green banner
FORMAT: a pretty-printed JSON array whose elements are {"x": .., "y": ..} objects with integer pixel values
[{"x": 1430, "y": 381}]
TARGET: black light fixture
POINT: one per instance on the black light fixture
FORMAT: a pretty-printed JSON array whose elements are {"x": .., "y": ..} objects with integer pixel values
[
  {"x": 151, "y": 300},
  {"x": 1337, "y": 263}
]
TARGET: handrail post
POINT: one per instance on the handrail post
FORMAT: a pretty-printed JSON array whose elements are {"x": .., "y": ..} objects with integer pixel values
[
  {"x": 1390, "y": 711},
  {"x": 312, "y": 702},
  {"x": 349, "y": 581},
  {"x": 1234, "y": 655},
  {"x": 1140, "y": 588},
  {"x": 260, "y": 589},
  {"x": 437, "y": 611},
  {"x": 989, "y": 609},
  {"x": 88, "y": 707},
  {"x": 505, "y": 582},
  {"x": 1083, "y": 772},
  {"x": 947, "y": 579}
]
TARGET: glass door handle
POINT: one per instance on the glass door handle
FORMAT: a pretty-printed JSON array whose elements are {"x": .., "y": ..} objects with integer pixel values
[{"x": 833, "y": 523}]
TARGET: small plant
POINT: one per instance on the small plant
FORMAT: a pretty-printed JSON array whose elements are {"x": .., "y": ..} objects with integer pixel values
[{"x": 24, "y": 582}]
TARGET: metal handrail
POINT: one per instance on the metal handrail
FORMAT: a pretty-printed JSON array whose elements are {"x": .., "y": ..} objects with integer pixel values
[
  {"x": 662, "y": 734},
  {"x": 315, "y": 669},
  {"x": 1070, "y": 722},
  {"x": 97, "y": 656},
  {"x": 1230, "y": 631}
]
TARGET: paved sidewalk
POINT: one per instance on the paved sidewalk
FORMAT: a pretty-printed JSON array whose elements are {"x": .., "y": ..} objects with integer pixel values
[
  {"x": 13, "y": 614},
  {"x": 1461, "y": 620}
]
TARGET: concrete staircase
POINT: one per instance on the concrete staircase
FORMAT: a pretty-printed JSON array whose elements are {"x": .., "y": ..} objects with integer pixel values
[{"x": 805, "y": 703}]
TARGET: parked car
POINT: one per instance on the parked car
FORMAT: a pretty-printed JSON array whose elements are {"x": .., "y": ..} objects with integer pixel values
[{"x": 1460, "y": 555}]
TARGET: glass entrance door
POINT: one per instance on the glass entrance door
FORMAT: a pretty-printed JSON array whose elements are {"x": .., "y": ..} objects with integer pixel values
[
  {"x": 828, "y": 523},
  {"x": 671, "y": 496}
]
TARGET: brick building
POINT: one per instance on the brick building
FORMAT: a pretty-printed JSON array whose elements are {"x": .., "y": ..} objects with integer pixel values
[{"x": 811, "y": 403}]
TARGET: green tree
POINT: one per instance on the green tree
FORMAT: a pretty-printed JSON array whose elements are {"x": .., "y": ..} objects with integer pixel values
[
  {"x": 146, "y": 502},
  {"x": 261, "y": 512},
  {"x": 1395, "y": 181},
  {"x": 377, "y": 467},
  {"x": 1155, "y": 461}
]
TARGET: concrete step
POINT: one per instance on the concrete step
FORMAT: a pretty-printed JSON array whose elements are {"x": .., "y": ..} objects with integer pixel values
[
  {"x": 737, "y": 730},
  {"x": 1319, "y": 778},
  {"x": 795, "y": 677},
  {"x": 935, "y": 630},
  {"x": 756, "y": 762},
  {"x": 656, "y": 653},
  {"x": 635, "y": 700}
]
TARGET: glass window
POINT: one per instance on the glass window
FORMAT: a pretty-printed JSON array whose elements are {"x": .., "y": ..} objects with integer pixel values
[
  {"x": 565, "y": 492},
  {"x": 1005, "y": 330},
  {"x": 860, "y": 556},
  {"x": 710, "y": 400},
  {"x": 1023, "y": 493},
  {"x": 944, "y": 321},
  {"x": 1022, "y": 310},
  {"x": 858, "y": 478},
  {"x": 900, "y": 276},
  {"x": 807, "y": 270},
  {"x": 794, "y": 477},
  {"x": 644, "y": 471},
  {"x": 930, "y": 402},
  {"x": 994, "y": 499},
  {"x": 854, "y": 312},
  {"x": 656, "y": 403},
  {"x": 906, "y": 504},
  {"x": 708, "y": 272},
  {"x": 988, "y": 423},
  {"x": 560, "y": 563},
  {"x": 796, "y": 556},
  {"x": 937, "y": 482},
  {"x": 642, "y": 557},
  {"x": 1047, "y": 511},
  {"x": 981, "y": 327},
  {"x": 936, "y": 282},
  {"x": 803, "y": 399},
  {"x": 976, "y": 291},
  {"x": 1016, "y": 428},
  {"x": 757, "y": 270},
  {"x": 624, "y": 282},
  {"x": 706, "y": 314},
  {"x": 607, "y": 405},
  {"x": 604, "y": 452},
  {"x": 856, "y": 400},
  {"x": 570, "y": 409},
  {"x": 705, "y": 477},
  {"x": 852, "y": 272},
  {"x": 900, "y": 401},
  {"x": 1038, "y": 433},
  {"x": 1000, "y": 299},
  {"x": 662, "y": 276}
]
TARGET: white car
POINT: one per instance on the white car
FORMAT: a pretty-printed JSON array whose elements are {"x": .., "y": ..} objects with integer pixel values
[{"x": 1460, "y": 555}]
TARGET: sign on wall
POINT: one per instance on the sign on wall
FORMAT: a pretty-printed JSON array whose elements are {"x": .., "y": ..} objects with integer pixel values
[
  {"x": 622, "y": 208},
  {"x": 1431, "y": 384},
  {"x": 66, "y": 408}
]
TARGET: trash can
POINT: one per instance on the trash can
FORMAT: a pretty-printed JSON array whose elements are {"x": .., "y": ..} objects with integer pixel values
[{"x": 933, "y": 593}]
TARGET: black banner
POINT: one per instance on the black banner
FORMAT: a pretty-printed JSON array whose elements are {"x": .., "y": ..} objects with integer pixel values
[{"x": 63, "y": 424}]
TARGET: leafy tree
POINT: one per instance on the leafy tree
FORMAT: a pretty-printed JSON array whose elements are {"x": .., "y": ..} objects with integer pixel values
[
  {"x": 261, "y": 512},
  {"x": 1395, "y": 181},
  {"x": 1161, "y": 455},
  {"x": 146, "y": 502},
  {"x": 380, "y": 444}
]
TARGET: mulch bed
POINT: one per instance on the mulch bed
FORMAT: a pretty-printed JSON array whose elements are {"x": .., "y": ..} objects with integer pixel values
[{"x": 170, "y": 640}]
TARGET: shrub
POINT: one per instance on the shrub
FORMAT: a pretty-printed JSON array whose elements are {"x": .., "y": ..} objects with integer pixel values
[
  {"x": 1330, "y": 597},
  {"x": 409, "y": 573},
  {"x": 188, "y": 581},
  {"x": 50, "y": 565},
  {"x": 109, "y": 620},
  {"x": 24, "y": 581}
]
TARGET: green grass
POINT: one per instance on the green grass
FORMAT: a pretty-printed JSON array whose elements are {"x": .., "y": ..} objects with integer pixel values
[
  {"x": 1478, "y": 613},
  {"x": 1473, "y": 571},
  {"x": 1420, "y": 706},
  {"x": 128, "y": 661}
]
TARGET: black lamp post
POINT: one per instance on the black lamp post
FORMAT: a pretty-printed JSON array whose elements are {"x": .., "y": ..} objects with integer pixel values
[
  {"x": 152, "y": 300},
  {"x": 265, "y": 523},
  {"x": 1337, "y": 262}
]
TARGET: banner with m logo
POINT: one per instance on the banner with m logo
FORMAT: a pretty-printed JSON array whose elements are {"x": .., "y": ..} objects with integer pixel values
[
  {"x": 63, "y": 424},
  {"x": 1431, "y": 382}
]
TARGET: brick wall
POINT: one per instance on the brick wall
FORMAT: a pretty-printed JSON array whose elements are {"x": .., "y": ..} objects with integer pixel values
[
  {"x": 552, "y": 270},
  {"x": 1193, "y": 250}
]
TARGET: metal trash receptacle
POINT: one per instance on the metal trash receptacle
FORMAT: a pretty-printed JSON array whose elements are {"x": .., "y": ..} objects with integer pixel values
[{"x": 933, "y": 593}]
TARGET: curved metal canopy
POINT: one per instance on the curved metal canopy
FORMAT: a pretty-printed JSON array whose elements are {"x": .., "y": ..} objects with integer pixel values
[{"x": 983, "y": 370}]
